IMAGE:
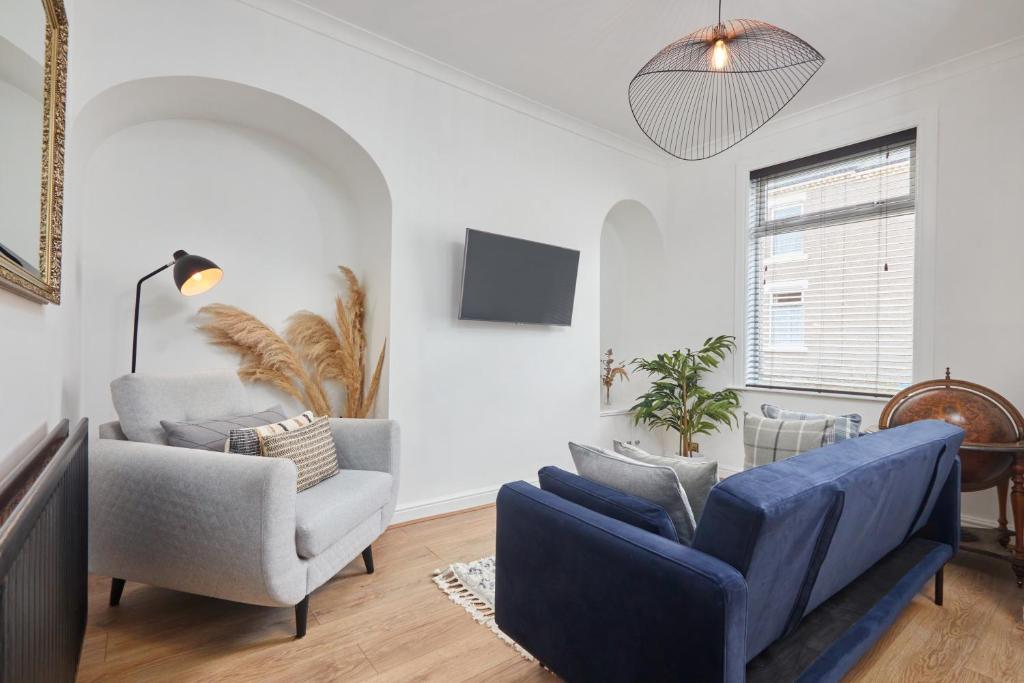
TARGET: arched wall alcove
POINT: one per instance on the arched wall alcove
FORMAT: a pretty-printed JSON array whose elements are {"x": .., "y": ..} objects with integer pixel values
[
  {"x": 636, "y": 300},
  {"x": 273, "y": 192}
]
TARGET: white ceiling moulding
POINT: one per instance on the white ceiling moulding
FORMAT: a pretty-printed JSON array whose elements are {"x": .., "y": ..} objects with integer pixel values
[
  {"x": 952, "y": 68},
  {"x": 302, "y": 15}
]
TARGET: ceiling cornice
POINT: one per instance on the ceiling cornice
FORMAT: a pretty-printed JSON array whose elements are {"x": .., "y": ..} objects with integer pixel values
[
  {"x": 302, "y": 15},
  {"x": 936, "y": 73}
]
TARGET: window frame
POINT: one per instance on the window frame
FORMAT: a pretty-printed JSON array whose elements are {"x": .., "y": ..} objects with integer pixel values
[{"x": 806, "y": 135}]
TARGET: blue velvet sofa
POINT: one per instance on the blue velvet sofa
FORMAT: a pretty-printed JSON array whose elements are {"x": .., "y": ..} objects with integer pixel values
[{"x": 796, "y": 568}]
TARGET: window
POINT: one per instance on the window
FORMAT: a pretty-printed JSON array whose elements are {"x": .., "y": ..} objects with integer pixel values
[
  {"x": 830, "y": 281},
  {"x": 787, "y": 320},
  {"x": 787, "y": 244}
]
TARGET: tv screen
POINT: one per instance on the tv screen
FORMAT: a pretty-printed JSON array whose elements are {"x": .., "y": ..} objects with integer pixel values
[{"x": 505, "y": 279}]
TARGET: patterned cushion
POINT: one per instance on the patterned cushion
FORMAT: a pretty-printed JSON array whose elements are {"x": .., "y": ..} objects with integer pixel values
[
  {"x": 847, "y": 426},
  {"x": 247, "y": 441},
  {"x": 212, "y": 435},
  {"x": 311, "y": 448},
  {"x": 766, "y": 440}
]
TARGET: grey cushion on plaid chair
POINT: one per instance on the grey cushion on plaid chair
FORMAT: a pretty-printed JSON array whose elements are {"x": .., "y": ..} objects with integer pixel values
[
  {"x": 847, "y": 426},
  {"x": 766, "y": 440}
]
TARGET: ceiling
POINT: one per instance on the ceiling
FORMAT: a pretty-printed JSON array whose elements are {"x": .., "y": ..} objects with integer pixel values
[{"x": 578, "y": 56}]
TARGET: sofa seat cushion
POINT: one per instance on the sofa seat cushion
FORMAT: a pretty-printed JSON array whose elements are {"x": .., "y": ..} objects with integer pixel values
[{"x": 326, "y": 512}]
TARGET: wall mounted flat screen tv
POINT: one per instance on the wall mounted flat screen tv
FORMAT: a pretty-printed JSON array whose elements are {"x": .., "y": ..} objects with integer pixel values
[{"x": 506, "y": 279}]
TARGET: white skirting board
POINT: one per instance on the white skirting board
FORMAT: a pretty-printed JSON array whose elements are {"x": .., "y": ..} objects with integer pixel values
[
  {"x": 443, "y": 504},
  {"x": 484, "y": 496}
]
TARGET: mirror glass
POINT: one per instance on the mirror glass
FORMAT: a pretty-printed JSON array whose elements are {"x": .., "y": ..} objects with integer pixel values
[{"x": 22, "y": 55}]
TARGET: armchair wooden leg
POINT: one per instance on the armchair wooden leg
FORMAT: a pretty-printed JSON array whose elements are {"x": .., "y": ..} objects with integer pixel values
[
  {"x": 368, "y": 559},
  {"x": 116, "y": 588},
  {"x": 938, "y": 587},
  {"x": 301, "y": 615}
]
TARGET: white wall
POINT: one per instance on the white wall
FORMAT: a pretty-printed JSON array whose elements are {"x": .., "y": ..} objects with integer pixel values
[
  {"x": 968, "y": 272},
  {"x": 479, "y": 403}
]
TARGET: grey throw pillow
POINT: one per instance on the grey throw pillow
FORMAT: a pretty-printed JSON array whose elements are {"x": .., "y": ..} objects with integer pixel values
[
  {"x": 847, "y": 426},
  {"x": 766, "y": 440},
  {"x": 696, "y": 476},
  {"x": 655, "y": 483},
  {"x": 211, "y": 435}
]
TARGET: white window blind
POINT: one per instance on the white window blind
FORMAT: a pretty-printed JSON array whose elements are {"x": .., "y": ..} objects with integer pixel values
[{"x": 841, "y": 224}]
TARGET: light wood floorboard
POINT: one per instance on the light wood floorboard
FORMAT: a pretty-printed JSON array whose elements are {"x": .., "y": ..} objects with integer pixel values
[{"x": 395, "y": 625}]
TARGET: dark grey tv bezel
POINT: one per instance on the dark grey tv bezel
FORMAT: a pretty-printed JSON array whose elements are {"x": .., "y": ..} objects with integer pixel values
[{"x": 462, "y": 284}]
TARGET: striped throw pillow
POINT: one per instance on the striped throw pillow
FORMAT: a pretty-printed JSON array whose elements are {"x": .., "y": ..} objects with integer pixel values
[
  {"x": 766, "y": 440},
  {"x": 311, "y": 448},
  {"x": 847, "y": 426},
  {"x": 247, "y": 441}
]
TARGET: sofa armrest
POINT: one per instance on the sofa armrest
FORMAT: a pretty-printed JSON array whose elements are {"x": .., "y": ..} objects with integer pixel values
[
  {"x": 216, "y": 524},
  {"x": 594, "y": 598}
]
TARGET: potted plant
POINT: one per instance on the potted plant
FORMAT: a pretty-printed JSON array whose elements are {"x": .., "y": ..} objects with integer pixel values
[
  {"x": 609, "y": 372},
  {"x": 676, "y": 399}
]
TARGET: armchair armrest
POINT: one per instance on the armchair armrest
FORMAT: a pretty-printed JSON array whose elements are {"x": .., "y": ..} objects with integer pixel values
[
  {"x": 366, "y": 444},
  {"x": 594, "y": 598},
  {"x": 210, "y": 523},
  {"x": 370, "y": 445}
]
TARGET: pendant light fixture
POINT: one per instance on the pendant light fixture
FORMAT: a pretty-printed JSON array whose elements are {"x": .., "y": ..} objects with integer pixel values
[{"x": 712, "y": 88}]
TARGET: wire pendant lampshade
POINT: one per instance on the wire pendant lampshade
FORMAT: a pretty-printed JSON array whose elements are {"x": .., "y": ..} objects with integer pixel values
[{"x": 712, "y": 88}]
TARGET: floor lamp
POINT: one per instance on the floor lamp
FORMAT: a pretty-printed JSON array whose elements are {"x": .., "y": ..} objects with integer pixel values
[{"x": 192, "y": 275}]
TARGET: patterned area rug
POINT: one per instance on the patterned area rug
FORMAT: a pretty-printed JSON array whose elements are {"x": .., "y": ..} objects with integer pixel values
[{"x": 471, "y": 585}]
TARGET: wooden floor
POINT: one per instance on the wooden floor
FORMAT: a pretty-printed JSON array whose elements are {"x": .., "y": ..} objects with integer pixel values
[{"x": 395, "y": 625}]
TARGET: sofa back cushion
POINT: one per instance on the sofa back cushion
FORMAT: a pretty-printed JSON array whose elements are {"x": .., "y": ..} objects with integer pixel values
[
  {"x": 802, "y": 529},
  {"x": 894, "y": 498},
  {"x": 610, "y": 502},
  {"x": 142, "y": 401}
]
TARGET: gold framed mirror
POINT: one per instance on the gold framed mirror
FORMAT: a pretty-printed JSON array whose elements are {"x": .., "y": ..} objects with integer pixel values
[{"x": 33, "y": 92}]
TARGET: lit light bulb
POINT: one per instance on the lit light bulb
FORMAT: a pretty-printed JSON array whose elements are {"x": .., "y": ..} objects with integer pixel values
[
  {"x": 198, "y": 276},
  {"x": 719, "y": 55}
]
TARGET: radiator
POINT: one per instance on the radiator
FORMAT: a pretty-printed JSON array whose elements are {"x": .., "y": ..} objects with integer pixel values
[{"x": 43, "y": 560}]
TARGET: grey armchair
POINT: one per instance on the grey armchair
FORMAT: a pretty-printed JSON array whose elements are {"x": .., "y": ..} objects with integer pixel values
[{"x": 224, "y": 525}]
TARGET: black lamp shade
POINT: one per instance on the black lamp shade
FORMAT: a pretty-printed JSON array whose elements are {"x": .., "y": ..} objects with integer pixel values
[{"x": 194, "y": 274}]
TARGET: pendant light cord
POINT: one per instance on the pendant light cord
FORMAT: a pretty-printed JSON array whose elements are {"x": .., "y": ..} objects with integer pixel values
[{"x": 719, "y": 12}]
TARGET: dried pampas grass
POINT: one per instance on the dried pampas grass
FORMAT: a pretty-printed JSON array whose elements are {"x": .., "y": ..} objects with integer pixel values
[
  {"x": 266, "y": 357},
  {"x": 313, "y": 353},
  {"x": 340, "y": 356}
]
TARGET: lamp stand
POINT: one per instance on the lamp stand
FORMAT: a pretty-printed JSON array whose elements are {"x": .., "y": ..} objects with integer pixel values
[{"x": 138, "y": 296}]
